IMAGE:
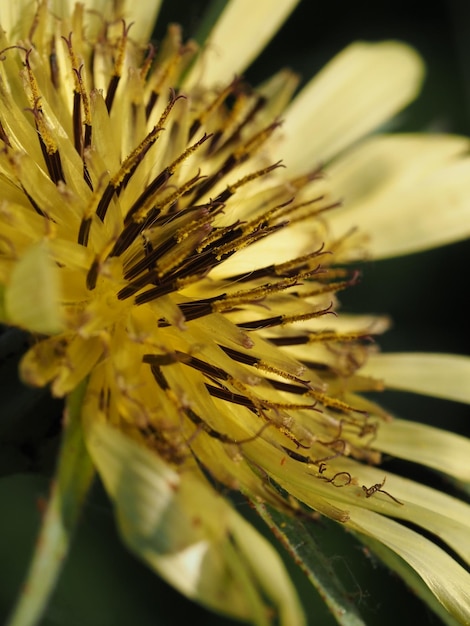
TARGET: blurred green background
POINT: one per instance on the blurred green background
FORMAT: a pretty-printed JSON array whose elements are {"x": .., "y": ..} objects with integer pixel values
[{"x": 425, "y": 294}]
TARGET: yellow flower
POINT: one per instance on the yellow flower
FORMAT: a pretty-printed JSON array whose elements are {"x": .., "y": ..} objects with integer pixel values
[{"x": 175, "y": 241}]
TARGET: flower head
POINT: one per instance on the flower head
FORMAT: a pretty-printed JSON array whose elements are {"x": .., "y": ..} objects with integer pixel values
[{"x": 165, "y": 257}]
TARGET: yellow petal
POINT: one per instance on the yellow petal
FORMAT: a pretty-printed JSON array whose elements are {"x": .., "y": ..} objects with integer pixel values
[
  {"x": 442, "y": 515},
  {"x": 241, "y": 32},
  {"x": 33, "y": 293},
  {"x": 447, "y": 580},
  {"x": 14, "y": 15},
  {"x": 442, "y": 450},
  {"x": 405, "y": 192},
  {"x": 439, "y": 375},
  {"x": 189, "y": 534},
  {"x": 141, "y": 14},
  {"x": 363, "y": 87}
]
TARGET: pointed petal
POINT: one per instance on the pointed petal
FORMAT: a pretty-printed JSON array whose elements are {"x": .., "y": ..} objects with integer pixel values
[
  {"x": 437, "y": 512},
  {"x": 405, "y": 192},
  {"x": 363, "y": 87},
  {"x": 242, "y": 31},
  {"x": 439, "y": 375},
  {"x": 411, "y": 578},
  {"x": 445, "y": 577},
  {"x": 189, "y": 534}
]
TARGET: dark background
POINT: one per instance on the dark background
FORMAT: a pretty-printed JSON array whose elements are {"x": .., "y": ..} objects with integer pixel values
[{"x": 425, "y": 294}]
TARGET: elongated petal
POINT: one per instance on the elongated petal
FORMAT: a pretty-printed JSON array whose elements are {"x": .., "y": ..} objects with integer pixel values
[
  {"x": 359, "y": 90},
  {"x": 414, "y": 196},
  {"x": 447, "y": 580},
  {"x": 447, "y": 452},
  {"x": 439, "y": 375},
  {"x": 241, "y": 32},
  {"x": 411, "y": 578},
  {"x": 442, "y": 515},
  {"x": 141, "y": 15},
  {"x": 189, "y": 534}
]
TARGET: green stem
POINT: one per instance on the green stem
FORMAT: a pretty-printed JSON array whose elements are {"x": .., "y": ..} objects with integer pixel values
[{"x": 72, "y": 482}]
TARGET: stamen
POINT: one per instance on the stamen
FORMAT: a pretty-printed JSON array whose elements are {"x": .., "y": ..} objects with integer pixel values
[
  {"x": 53, "y": 65},
  {"x": 260, "y": 101},
  {"x": 181, "y": 357},
  {"x": 118, "y": 67},
  {"x": 131, "y": 162},
  {"x": 135, "y": 228},
  {"x": 369, "y": 491},
  {"x": 4, "y": 136},
  {"x": 143, "y": 203},
  {"x": 235, "y": 398},
  {"x": 215, "y": 104},
  {"x": 281, "y": 320},
  {"x": 237, "y": 157},
  {"x": 215, "y": 434}
]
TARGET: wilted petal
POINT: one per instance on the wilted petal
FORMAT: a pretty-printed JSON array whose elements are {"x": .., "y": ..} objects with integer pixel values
[{"x": 189, "y": 534}]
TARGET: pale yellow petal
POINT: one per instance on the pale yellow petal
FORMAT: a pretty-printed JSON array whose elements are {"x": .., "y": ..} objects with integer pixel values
[
  {"x": 442, "y": 450},
  {"x": 141, "y": 14},
  {"x": 405, "y": 192},
  {"x": 444, "y": 576},
  {"x": 15, "y": 17},
  {"x": 439, "y": 375},
  {"x": 33, "y": 293},
  {"x": 189, "y": 534},
  {"x": 442, "y": 515},
  {"x": 241, "y": 32},
  {"x": 363, "y": 87},
  {"x": 280, "y": 247}
]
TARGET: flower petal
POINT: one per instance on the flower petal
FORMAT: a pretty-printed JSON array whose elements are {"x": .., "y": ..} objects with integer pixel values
[
  {"x": 32, "y": 296},
  {"x": 364, "y": 86},
  {"x": 444, "y": 576},
  {"x": 410, "y": 577},
  {"x": 442, "y": 450},
  {"x": 14, "y": 16},
  {"x": 439, "y": 375},
  {"x": 241, "y": 32},
  {"x": 406, "y": 192},
  {"x": 141, "y": 14},
  {"x": 189, "y": 534}
]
